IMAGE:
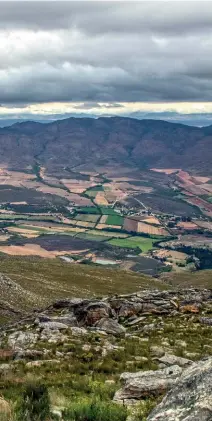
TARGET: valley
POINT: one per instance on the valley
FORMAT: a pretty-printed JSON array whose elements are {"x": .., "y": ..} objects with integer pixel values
[{"x": 117, "y": 216}]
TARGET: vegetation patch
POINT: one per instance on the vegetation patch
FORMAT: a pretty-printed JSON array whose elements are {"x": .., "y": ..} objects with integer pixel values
[
  {"x": 145, "y": 244},
  {"x": 114, "y": 220}
]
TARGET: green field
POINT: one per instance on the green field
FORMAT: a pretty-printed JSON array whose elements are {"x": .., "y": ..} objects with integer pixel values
[
  {"x": 108, "y": 211},
  {"x": 87, "y": 217},
  {"x": 94, "y": 190},
  {"x": 145, "y": 244},
  {"x": 108, "y": 233},
  {"x": 88, "y": 209},
  {"x": 115, "y": 220},
  {"x": 9, "y": 217}
]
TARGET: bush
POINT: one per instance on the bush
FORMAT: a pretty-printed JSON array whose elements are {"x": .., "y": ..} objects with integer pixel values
[
  {"x": 95, "y": 411},
  {"x": 34, "y": 404}
]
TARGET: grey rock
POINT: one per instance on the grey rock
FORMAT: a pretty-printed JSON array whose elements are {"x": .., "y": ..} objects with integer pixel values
[
  {"x": 136, "y": 321},
  {"x": 20, "y": 339},
  {"x": 169, "y": 360},
  {"x": 206, "y": 321},
  {"x": 39, "y": 363},
  {"x": 78, "y": 331},
  {"x": 190, "y": 399},
  {"x": 110, "y": 326},
  {"x": 144, "y": 384},
  {"x": 69, "y": 320},
  {"x": 5, "y": 368},
  {"x": 28, "y": 353},
  {"x": 53, "y": 325},
  {"x": 157, "y": 351}
]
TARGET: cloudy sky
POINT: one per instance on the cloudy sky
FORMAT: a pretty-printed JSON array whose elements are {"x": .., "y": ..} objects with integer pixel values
[{"x": 105, "y": 57}]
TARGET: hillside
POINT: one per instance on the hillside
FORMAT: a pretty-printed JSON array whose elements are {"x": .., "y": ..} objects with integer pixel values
[
  {"x": 109, "y": 358},
  {"x": 75, "y": 141}
]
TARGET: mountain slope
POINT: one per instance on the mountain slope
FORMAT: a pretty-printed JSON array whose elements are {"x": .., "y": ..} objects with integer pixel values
[{"x": 75, "y": 141}]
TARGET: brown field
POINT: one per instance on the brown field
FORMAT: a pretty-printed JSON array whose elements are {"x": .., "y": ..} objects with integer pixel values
[
  {"x": 77, "y": 186},
  {"x": 103, "y": 219},
  {"x": 200, "y": 203},
  {"x": 103, "y": 226},
  {"x": 46, "y": 227},
  {"x": 25, "y": 232},
  {"x": 152, "y": 220},
  {"x": 6, "y": 211},
  {"x": 4, "y": 238},
  {"x": 207, "y": 187},
  {"x": 172, "y": 254},
  {"x": 141, "y": 227},
  {"x": 35, "y": 250},
  {"x": 19, "y": 179},
  {"x": 166, "y": 170},
  {"x": 100, "y": 199},
  {"x": 204, "y": 224},
  {"x": 201, "y": 179},
  {"x": 130, "y": 224},
  {"x": 77, "y": 223},
  {"x": 187, "y": 225},
  {"x": 151, "y": 230}
]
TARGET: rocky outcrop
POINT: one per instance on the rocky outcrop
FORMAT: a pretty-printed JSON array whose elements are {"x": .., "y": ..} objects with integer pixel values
[
  {"x": 110, "y": 326},
  {"x": 147, "y": 384},
  {"x": 129, "y": 310},
  {"x": 190, "y": 399}
]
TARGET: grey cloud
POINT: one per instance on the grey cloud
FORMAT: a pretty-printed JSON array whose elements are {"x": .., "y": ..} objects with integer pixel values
[
  {"x": 108, "y": 16},
  {"x": 93, "y": 52}
]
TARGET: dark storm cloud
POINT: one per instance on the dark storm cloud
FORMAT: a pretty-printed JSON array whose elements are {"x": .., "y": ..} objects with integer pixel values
[{"x": 105, "y": 51}]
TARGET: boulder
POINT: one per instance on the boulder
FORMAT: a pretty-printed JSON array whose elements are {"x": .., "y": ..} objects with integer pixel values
[
  {"x": 39, "y": 363},
  {"x": 89, "y": 313},
  {"x": 20, "y": 339},
  {"x": 78, "y": 331},
  {"x": 144, "y": 384},
  {"x": 129, "y": 309},
  {"x": 5, "y": 410},
  {"x": 110, "y": 326},
  {"x": 5, "y": 368},
  {"x": 190, "y": 399},
  {"x": 206, "y": 321},
  {"x": 157, "y": 351},
  {"x": 28, "y": 353},
  {"x": 169, "y": 359}
]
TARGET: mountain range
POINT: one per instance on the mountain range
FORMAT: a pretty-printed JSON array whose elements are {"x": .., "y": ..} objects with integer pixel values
[{"x": 106, "y": 140}]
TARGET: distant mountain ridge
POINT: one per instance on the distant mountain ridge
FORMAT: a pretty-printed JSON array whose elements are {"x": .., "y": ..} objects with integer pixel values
[{"x": 106, "y": 140}]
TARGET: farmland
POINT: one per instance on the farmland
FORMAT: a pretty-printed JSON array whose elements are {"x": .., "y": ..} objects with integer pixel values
[
  {"x": 102, "y": 214},
  {"x": 145, "y": 244}
]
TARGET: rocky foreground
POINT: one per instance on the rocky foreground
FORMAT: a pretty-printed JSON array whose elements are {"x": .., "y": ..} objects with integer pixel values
[{"x": 148, "y": 346}]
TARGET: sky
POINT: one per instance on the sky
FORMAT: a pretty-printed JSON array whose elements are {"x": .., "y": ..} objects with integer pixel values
[{"x": 97, "y": 57}]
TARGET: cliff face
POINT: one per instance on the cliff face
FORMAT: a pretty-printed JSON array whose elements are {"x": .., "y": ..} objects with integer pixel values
[{"x": 70, "y": 142}]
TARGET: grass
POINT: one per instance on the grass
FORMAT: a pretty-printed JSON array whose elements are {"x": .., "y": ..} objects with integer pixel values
[
  {"x": 78, "y": 382},
  {"x": 40, "y": 281},
  {"x": 199, "y": 279},
  {"x": 109, "y": 233},
  {"x": 144, "y": 243},
  {"x": 114, "y": 220},
  {"x": 87, "y": 217},
  {"x": 107, "y": 211}
]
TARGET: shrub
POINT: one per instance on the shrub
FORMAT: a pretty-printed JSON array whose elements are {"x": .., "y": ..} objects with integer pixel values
[
  {"x": 34, "y": 404},
  {"x": 95, "y": 411}
]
